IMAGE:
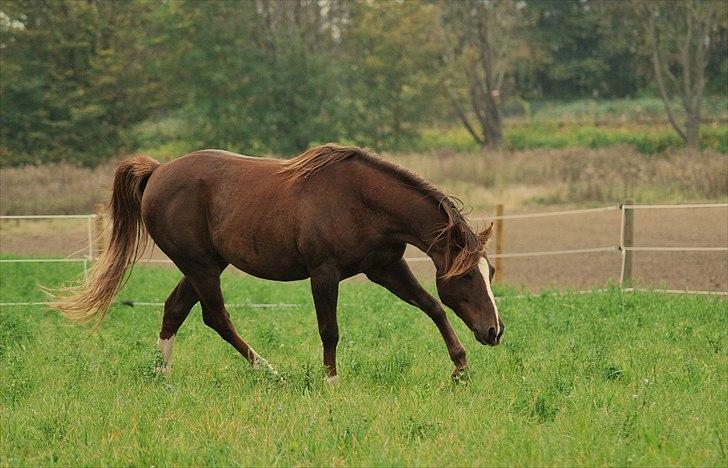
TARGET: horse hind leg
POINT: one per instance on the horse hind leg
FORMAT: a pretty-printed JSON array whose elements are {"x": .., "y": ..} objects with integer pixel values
[
  {"x": 215, "y": 316},
  {"x": 176, "y": 309}
]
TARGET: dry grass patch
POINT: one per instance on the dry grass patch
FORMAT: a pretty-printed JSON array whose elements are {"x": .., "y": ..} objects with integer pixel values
[
  {"x": 573, "y": 176},
  {"x": 54, "y": 188},
  {"x": 533, "y": 177}
]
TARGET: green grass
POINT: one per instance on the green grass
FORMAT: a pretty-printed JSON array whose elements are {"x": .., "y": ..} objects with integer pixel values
[
  {"x": 595, "y": 379},
  {"x": 542, "y": 124},
  {"x": 610, "y": 110},
  {"x": 555, "y": 135}
]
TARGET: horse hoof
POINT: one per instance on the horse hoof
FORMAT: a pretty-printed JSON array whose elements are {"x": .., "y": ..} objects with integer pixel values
[
  {"x": 331, "y": 380},
  {"x": 460, "y": 374}
]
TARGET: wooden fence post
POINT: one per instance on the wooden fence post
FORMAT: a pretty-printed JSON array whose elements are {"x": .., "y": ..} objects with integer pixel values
[
  {"x": 627, "y": 240},
  {"x": 100, "y": 225},
  {"x": 498, "y": 244}
]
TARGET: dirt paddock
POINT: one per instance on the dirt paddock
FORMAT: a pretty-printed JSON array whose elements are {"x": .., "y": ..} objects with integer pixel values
[{"x": 660, "y": 228}]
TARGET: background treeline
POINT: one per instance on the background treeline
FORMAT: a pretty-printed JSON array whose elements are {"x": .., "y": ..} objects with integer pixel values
[{"x": 85, "y": 80}]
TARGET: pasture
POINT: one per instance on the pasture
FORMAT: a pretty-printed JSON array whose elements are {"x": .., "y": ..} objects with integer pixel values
[{"x": 605, "y": 378}]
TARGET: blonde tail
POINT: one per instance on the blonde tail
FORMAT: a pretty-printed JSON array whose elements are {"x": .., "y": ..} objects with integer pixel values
[{"x": 90, "y": 299}]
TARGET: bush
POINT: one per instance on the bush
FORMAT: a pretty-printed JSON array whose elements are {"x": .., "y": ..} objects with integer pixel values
[{"x": 645, "y": 140}]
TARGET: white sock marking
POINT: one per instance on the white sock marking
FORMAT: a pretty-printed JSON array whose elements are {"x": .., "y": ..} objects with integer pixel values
[
  {"x": 485, "y": 271},
  {"x": 260, "y": 363},
  {"x": 165, "y": 347}
]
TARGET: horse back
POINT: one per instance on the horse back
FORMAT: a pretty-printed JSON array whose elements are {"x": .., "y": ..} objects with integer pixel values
[{"x": 244, "y": 211}]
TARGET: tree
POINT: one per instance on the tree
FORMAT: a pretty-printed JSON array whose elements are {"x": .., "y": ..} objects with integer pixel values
[
  {"x": 392, "y": 51},
  {"x": 253, "y": 77},
  {"x": 679, "y": 37},
  {"x": 72, "y": 79},
  {"x": 581, "y": 48},
  {"x": 484, "y": 45}
]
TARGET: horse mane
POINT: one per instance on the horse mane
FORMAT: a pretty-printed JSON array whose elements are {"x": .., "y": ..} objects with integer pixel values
[
  {"x": 317, "y": 158},
  {"x": 463, "y": 247}
]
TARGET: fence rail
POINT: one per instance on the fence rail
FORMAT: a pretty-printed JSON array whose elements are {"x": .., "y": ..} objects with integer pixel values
[
  {"x": 81, "y": 216},
  {"x": 43, "y": 260},
  {"x": 625, "y": 247},
  {"x": 548, "y": 213}
]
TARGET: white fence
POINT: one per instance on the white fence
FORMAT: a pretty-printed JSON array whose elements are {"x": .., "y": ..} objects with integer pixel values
[{"x": 625, "y": 246}]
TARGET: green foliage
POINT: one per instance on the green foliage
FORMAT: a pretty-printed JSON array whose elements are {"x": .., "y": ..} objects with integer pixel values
[
  {"x": 646, "y": 141},
  {"x": 73, "y": 80},
  {"x": 252, "y": 83},
  {"x": 587, "y": 49},
  {"x": 78, "y": 77},
  {"x": 611, "y": 111},
  {"x": 579, "y": 380},
  {"x": 392, "y": 57},
  {"x": 555, "y": 135}
]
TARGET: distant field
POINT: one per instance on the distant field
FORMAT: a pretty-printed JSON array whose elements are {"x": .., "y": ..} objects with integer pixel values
[
  {"x": 519, "y": 179},
  {"x": 645, "y": 138},
  {"x": 579, "y": 152},
  {"x": 595, "y": 110},
  {"x": 595, "y": 379},
  {"x": 640, "y": 124}
]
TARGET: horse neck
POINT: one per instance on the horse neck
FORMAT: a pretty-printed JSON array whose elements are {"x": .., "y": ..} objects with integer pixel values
[{"x": 419, "y": 218}]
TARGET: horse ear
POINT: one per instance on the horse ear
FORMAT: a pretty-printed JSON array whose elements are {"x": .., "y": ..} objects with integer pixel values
[{"x": 486, "y": 233}]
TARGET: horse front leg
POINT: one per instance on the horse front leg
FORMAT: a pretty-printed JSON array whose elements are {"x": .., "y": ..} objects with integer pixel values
[
  {"x": 325, "y": 290},
  {"x": 399, "y": 280}
]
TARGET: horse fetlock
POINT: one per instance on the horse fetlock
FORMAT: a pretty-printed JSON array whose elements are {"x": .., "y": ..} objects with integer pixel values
[
  {"x": 331, "y": 380},
  {"x": 160, "y": 365},
  {"x": 458, "y": 358},
  {"x": 163, "y": 356},
  {"x": 258, "y": 363}
]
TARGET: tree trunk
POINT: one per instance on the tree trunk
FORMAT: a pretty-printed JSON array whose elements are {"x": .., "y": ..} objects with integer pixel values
[
  {"x": 492, "y": 127},
  {"x": 682, "y": 45},
  {"x": 692, "y": 131}
]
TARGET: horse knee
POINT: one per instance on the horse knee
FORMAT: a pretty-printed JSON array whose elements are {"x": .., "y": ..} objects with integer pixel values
[
  {"x": 329, "y": 337},
  {"x": 212, "y": 320},
  {"x": 436, "y": 313}
]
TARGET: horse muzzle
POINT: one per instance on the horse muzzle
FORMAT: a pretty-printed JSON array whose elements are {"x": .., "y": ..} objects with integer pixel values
[{"x": 490, "y": 337}]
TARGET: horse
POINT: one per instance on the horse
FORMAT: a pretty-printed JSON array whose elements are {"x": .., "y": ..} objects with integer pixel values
[{"x": 327, "y": 214}]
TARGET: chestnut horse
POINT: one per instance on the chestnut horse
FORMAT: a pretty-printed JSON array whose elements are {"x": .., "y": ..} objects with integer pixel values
[{"x": 327, "y": 214}]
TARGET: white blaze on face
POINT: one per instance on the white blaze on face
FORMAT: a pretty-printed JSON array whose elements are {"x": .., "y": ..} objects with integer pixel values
[{"x": 485, "y": 271}]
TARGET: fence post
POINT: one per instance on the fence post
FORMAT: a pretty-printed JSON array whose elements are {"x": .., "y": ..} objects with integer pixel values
[
  {"x": 100, "y": 216},
  {"x": 498, "y": 244},
  {"x": 627, "y": 240}
]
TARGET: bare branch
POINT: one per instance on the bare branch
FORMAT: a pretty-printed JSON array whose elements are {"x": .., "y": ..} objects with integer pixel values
[
  {"x": 685, "y": 59},
  {"x": 463, "y": 116},
  {"x": 657, "y": 65}
]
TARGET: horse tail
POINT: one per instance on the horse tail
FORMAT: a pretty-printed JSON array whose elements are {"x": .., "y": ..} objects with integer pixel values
[{"x": 91, "y": 298}]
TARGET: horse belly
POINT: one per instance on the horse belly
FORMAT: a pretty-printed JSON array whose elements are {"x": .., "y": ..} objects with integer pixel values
[
  {"x": 276, "y": 269},
  {"x": 261, "y": 253}
]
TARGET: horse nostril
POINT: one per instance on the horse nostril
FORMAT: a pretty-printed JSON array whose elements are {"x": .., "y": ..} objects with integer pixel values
[{"x": 487, "y": 336}]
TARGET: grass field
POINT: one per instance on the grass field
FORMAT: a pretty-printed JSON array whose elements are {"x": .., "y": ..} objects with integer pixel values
[{"x": 595, "y": 379}]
